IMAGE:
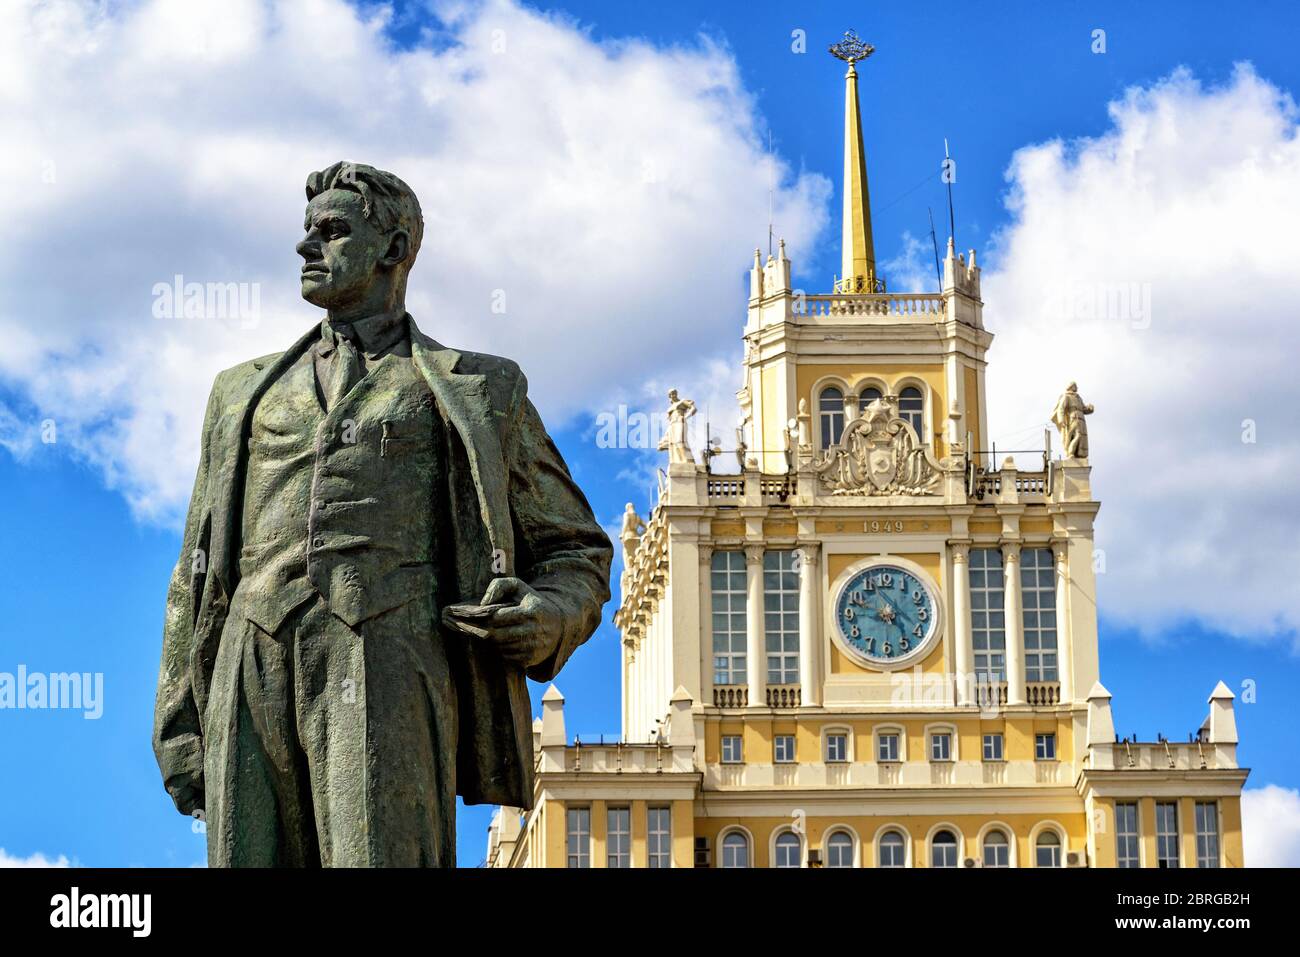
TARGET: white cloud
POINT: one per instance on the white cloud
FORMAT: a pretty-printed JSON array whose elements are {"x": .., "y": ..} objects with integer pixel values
[
  {"x": 35, "y": 860},
  {"x": 1270, "y": 826},
  {"x": 1189, "y": 197},
  {"x": 609, "y": 189}
]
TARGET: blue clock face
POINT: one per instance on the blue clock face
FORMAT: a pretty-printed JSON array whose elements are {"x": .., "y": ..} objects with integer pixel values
[{"x": 886, "y": 613}]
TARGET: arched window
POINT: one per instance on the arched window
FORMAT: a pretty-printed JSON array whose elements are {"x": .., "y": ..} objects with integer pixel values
[
  {"x": 839, "y": 850},
  {"x": 788, "y": 850},
  {"x": 943, "y": 849},
  {"x": 866, "y": 397},
  {"x": 997, "y": 851},
  {"x": 1047, "y": 850},
  {"x": 735, "y": 850},
  {"x": 893, "y": 850},
  {"x": 830, "y": 411},
  {"x": 911, "y": 406}
]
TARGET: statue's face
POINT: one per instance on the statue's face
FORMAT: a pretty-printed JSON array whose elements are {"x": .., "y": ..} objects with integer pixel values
[{"x": 341, "y": 251}]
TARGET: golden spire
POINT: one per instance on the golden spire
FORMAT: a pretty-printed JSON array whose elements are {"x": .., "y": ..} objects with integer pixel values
[{"x": 859, "y": 255}]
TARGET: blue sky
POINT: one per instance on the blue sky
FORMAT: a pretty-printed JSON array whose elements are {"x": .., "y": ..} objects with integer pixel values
[{"x": 86, "y": 563}]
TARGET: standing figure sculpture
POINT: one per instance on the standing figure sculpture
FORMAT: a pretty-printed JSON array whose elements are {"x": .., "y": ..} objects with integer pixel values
[
  {"x": 1068, "y": 417},
  {"x": 382, "y": 545},
  {"x": 676, "y": 441}
]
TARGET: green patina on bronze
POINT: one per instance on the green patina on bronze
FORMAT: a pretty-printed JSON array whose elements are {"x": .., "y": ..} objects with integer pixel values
[{"x": 382, "y": 544}]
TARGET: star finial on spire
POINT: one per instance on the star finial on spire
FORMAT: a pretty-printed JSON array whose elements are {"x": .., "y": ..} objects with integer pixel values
[{"x": 851, "y": 49}]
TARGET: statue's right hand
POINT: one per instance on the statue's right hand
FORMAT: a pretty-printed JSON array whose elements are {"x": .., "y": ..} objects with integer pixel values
[{"x": 188, "y": 798}]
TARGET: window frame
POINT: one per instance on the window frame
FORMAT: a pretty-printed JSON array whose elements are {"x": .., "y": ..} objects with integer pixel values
[
  {"x": 1203, "y": 857},
  {"x": 932, "y": 844},
  {"x": 781, "y": 842},
  {"x": 1042, "y": 660},
  {"x": 840, "y": 831},
  {"x": 900, "y": 744},
  {"x": 1041, "y": 738},
  {"x": 777, "y": 741},
  {"x": 782, "y": 565},
  {"x": 1163, "y": 837},
  {"x": 904, "y": 845},
  {"x": 739, "y": 739},
  {"x": 986, "y": 738},
  {"x": 1132, "y": 839},
  {"x": 988, "y": 591},
  {"x": 730, "y": 666},
  {"x": 659, "y": 841},
  {"x": 1007, "y": 845},
  {"x": 747, "y": 844},
  {"x": 830, "y": 422},
  {"x": 583, "y": 854},
  {"x": 618, "y": 841},
  {"x": 839, "y": 734},
  {"x": 1057, "y": 849}
]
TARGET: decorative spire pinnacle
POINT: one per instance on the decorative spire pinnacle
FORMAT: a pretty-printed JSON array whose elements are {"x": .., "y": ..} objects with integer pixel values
[{"x": 859, "y": 254}]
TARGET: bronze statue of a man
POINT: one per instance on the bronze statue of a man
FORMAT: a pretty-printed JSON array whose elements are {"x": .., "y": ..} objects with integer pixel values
[{"x": 381, "y": 544}]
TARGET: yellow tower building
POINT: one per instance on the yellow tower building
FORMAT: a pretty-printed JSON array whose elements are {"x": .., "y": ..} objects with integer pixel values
[{"x": 872, "y": 646}]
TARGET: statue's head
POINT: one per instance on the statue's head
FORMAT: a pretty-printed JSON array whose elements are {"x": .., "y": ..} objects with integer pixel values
[
  {"x": 1072, "y": 387},
  {"x": 363, "y": 231},
  {"x": 672, "y": 395}
]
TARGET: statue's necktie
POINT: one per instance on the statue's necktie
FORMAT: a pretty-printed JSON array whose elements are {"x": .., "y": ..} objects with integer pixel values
[{"x": 345, "y": 370}]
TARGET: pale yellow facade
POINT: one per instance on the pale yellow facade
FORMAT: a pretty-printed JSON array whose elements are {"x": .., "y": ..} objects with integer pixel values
[{"x": 955, "y": 754}]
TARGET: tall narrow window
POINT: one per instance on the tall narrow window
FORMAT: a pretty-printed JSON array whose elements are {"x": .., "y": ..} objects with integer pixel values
[
  {"x": 988, "y": 629},
  {"x": 1166, "y": 834},
  {"x": 830, "y": 412},
  {"x": 735, "y": 850},
  {"x": 893, "y": 850},
  {"x": 1038, "y": 594},
  {"x": 1126, "y": 834},
  {"x": 619, "y": 838},
  {"x": 839, "y": 850},
  {"x": 781, "y": 616},
  {"x": 789, "y": 850},
  {"x": 1047, "y": 850},
  {"x": 943, "y": 850},
  {"x": 729, "y": 597},
  {"x": 1044, "y": 747},
  {"x": 997, "y": 851},
  {"x": 1207, "y": 834},
  {"x": 911, "y": 407},
  {"x": 578, "y": 834},
  {"x": 659, "y": 836}
]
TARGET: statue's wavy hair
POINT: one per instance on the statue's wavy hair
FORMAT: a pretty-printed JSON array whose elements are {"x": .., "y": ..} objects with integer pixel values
[{"x": 388, "y": 202}]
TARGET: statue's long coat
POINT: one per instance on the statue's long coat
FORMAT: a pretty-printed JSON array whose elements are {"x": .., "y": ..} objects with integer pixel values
[{"x": 514, "y": 510}]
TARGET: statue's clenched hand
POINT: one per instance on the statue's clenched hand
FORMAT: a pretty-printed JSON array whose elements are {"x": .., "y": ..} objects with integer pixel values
[{"x": 523, "y": 623}]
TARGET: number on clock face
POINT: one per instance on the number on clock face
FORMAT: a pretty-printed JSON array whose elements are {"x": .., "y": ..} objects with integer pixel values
[{"x": 885, "y": 613}]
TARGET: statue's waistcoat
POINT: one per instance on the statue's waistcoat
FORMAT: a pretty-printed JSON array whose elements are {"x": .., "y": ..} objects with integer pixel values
[{"x": 342, "y": 504}]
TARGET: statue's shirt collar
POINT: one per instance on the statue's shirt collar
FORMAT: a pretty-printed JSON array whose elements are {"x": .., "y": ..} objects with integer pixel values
[{"x": 375, "y": 336}]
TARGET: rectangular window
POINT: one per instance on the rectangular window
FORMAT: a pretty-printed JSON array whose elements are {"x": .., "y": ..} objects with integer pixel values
[
  {"x": 619, "y": 837},
  {"x": 578, "y": 833},
  {"x": 837, "y": 747},
  {"x": 727, "y": 581},
  {"x": 1126, "y": 835},
  {"x": 781, "y": 616},
  {"x": 941, "y": 747},
  {"x": 1038, "y": 596},
  {"x": 888, "y": 748},
  {"x": 1207, "y": 834},
  {"x": 1045, "y": 747},
  {"x": 732, "y": 752},
  {"x": 988, "y": 628},
  {"x": 783, "y": 748},
  {"x": 1166, "y": 834},
  {"x": 992, "y": 747},
  {"x": 659, "y": 836}
]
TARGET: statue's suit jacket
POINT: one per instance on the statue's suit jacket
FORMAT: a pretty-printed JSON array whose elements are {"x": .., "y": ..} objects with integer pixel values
[{"x": 513, "y": 510}]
